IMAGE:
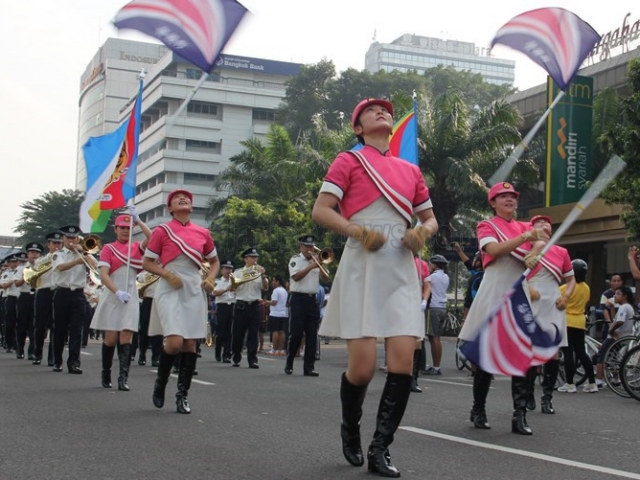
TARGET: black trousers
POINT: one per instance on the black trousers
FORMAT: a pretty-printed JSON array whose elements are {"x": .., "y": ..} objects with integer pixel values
[
  {"x": 3, "y": 299},
  {"x": 24, "y": 326},
  {"x": 145, "y": 318},
  {"x": 246, "y": 321},
  {"x": 223, "y": 331},
  {"x": 88, "y": 316},
  {"x": 68, "y": 318},
  {"x": 10, "y": 321},
  {"x": 304, "y": 319},
  {"x": 43, "y": 320}
]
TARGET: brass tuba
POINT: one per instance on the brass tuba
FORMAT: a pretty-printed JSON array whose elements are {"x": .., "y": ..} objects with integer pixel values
[
  {"x": 149, "y": 280},
  {"x": 32, "y": 275},
  {"x": 248, "y": 274}
]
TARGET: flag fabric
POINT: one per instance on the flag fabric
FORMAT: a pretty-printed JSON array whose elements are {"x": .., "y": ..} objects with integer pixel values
[
  {"x": 403, "y": 142},
  {"x": 197, "y": 30},
  {"x": 511, "y": 341},
  {"x": 111, "y": 161},
  {"x": 556, "y": 39}
]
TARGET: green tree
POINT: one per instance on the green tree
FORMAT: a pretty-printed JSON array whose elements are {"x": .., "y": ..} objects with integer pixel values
[
  {"x": 459, "y": 152},
  {"x": 51, "y": 211},
  {"x": 625, "y": 141}
]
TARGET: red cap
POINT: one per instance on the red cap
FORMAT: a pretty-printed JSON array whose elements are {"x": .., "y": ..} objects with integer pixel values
[
  {"x": 123, "y": 221},
  {"x": 535, "y": 218},
  {"x": 502, "y": 187},
  {"x": 175, "y": 192},
  {"x": 365, "y": 103}
]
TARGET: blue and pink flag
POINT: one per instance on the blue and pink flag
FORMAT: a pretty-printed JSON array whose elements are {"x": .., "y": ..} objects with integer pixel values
[
  {"x": 111, "y": 161},
  {"x": 511, "y": 341},
  {"x": 197, "y": 30},
  {"x": 403, "y": 142},
  {"x": 556, "y": 39}
]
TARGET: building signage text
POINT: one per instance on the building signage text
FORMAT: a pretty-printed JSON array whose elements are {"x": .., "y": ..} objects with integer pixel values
[{"x": 616, "y": 38}]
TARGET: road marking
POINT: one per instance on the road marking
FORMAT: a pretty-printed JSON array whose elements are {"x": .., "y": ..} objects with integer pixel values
[
  {"x": 447, "y": 382},
  {"x": 524, "y": 453},
  {"x": 270, "y": 359}
]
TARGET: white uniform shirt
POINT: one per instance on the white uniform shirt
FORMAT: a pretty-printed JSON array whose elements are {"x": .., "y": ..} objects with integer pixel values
[
  {"x": 8, "y": 276},
  {"x": 439, "y": 286},
  {"x": 46, "y": 280},
  {"x": 311, "y": 281},
  {"x": 75, "y": 277},
  {"x": 249, "y": 291},
  {"x": 227, "y": 298},
  {"x": 25, "y": 287},
  {"x": 13, "y": 291},
  {"x": 280, "y": 309}
]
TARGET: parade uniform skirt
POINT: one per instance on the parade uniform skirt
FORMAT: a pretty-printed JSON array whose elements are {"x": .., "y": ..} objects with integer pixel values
[
  {"x": 181, "y": 312},
  {"x": 113, "y": 315},
  {"x": 375, "y": 294},
  {"x": 548, "y": 317},
  {"x": 499, "y": 276}
]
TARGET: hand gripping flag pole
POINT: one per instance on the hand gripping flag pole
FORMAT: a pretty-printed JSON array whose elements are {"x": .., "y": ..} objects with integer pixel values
[
  {"x": 557, "y": 40},
  {"x": 509, "y": 337}
]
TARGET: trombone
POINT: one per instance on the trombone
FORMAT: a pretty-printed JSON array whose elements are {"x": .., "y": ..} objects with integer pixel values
[
  {"x": 323, "y": 257},
  {"x": 91, "y": 245}
]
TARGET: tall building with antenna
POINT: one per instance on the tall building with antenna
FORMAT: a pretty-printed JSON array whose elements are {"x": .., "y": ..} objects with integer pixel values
[{"x": 414, "y": 52}]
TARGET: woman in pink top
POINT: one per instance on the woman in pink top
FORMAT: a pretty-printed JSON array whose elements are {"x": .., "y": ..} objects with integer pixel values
[
  {"x": 118, "y": 310},
  {"x": 376, "y": 291},
  {"x": 504, "y": 242}
]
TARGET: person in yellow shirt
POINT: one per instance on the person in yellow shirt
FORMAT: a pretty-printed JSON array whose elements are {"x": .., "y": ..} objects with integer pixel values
[{"x": 576, "y": 325}]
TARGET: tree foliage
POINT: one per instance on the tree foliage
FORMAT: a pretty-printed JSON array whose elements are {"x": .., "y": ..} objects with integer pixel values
[
  {"x": 51, "y": 211},
  {"x": 624, "y": 140}
]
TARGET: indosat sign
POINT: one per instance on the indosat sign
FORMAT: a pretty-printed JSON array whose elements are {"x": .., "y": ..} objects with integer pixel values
[{"x": 569, "y": 142}]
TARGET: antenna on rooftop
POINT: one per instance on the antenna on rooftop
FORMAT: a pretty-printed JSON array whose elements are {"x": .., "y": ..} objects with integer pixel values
[{"x": 374, "y": 35}]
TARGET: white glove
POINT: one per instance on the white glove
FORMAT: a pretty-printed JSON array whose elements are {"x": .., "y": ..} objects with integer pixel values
[
  {"x": 123, "y": 296},
  {"x": 423, "y": 305},
  {"x": 133, "y": 211}
]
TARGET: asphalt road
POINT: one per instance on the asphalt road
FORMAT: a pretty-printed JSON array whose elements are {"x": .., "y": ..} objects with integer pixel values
[{"x": 249, "y": 424}]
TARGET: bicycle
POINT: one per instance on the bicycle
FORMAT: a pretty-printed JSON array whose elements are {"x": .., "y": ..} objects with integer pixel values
[
  {"x": 452, "y": 323},
  {"x": 630, "y": 372},
  {"x": 592, "y": 346}
]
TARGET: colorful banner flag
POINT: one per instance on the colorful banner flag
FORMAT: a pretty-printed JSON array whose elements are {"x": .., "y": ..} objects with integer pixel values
[
  {"x": 511, "y": 341},
  {"x": 556, "y": 39},
  {"x": 569, "y": 131},
  {"x": 197, "y": 30},
  {"x": 111, "y": 161},
  {"x": 403, "y": 142}
]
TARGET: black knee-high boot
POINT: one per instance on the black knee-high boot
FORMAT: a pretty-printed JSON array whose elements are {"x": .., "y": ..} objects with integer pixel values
[
  {"x": 481, "y": 385},
  {"x": 187, "y": 367},
  {"x": 352, "y": 398},
  {"x": 124, "y": 356},
  {"x": 107, "y": 361},
  {"x": 392, "y": 406},
  {"x": 520, "y": 394},
  {"x": 416, "y": 372},
  {"x": 164, "y": 370},
  {"x": 548, "y": 384}
]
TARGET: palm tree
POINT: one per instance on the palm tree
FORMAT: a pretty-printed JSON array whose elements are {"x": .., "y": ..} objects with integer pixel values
[{"x": 460, "y": 148}]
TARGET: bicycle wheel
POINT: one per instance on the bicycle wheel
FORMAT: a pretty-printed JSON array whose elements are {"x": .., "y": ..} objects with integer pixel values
[
  {"x": 461, "y": 360},
  {"x": 630, "y": 372},
  {"x": 612, "y": 361}
]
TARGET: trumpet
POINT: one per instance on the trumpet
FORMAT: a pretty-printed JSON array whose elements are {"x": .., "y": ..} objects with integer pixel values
[
  {"x": 248, "y": 274},
  {"x": 323, "y": 257}
]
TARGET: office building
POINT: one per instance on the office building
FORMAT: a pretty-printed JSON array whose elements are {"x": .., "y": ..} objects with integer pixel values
[
  {"x": 414, "y": 52},
  {"x": 237, "y": 102}
]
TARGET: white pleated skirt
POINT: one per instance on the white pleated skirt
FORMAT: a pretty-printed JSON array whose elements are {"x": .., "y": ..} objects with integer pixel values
[
  {"x": 113, "y": 315},
  {"x": 375, "y": 294},
  {"x": 181, "y": 312}
]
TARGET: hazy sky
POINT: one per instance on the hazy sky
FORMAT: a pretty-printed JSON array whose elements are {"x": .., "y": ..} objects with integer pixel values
[{"x": 48, "y": 45}]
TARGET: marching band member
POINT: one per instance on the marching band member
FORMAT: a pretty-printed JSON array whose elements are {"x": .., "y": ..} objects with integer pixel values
[
  {"x": 118, "y": 310},
  {"x": 504, "y": 243},
  {"x": 44, "y": 300},
  {"x": 3, "y": 298},
  {"x": 179, "y": 309},
  {"x": 246, "y": 313},
  {"x": 304, "y": 311},
  {"x": 12, "y": 293},
  {"x": 376, "y": 292},
  {"x": 69, "y": 302},
  {"x": 225, "y": 301},
  {"x": 151, "y": 282},
  {"x": 26, "y": 317}
]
